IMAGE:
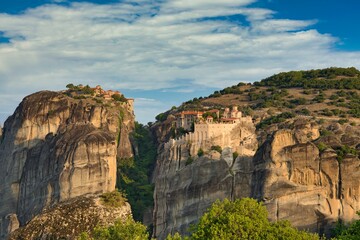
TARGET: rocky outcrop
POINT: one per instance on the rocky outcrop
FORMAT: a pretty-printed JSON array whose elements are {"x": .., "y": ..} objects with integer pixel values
[
  {"x": 186, "y": 184},
  {"x": 67, "y": 220},
  {"x": 298, "y": 178},
  {"x": 311, "y": 188},
  {"x": 55, "y": 148}
]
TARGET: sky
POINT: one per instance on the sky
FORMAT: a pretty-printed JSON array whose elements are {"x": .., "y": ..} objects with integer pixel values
[{"x": 165, "y": 52}]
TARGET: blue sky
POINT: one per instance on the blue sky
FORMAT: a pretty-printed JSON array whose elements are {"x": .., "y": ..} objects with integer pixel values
[{"x": 165, "y": 52}]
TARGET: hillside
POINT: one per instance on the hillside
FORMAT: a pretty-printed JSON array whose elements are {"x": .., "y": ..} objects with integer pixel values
[{"x": 328, "y": 94}]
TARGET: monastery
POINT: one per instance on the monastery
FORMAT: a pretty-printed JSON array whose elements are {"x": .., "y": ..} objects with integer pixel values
[
  {"x": 225, "y": 131},
  {"x": 106, "y": 94}
]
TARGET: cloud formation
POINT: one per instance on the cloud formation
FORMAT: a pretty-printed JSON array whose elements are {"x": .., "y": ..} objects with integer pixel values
[{"x": 156, "y": 45}]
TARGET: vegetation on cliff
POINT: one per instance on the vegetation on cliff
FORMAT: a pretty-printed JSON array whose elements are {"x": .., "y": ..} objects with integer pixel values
[
  {"x": 134, "y": 173},
  {"x": 329, "y": 78}
]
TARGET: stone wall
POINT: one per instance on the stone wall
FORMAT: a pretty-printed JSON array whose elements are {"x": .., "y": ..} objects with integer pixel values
[{"x": 206, "y": 135}]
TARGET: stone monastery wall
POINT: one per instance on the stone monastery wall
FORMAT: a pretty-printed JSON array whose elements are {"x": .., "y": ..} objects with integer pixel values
[{"x": 206, "y": 135}]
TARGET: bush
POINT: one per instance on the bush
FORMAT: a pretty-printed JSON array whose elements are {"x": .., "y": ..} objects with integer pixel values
[
  {"x": 200, "y": 152},
  {"x": 322, "y": 146},
  {"x": 235, "y": 155},
  {"x": 275, "y": 119},
  {"x": 349, "y": 232},
  {"x": 113, "y": 199},
  {"x": 127, "y": 230},
  {"x": 189, "y": 161},
  {"x": 161, "y": 117},
  {"x": 119, "y": 98},
  {"x": 216, "y": 148},
  {"x": 342, "y": 121},
  {"x": 70, "y": 86}
]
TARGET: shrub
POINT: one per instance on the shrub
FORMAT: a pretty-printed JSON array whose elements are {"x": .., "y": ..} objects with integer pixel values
[
  {"x": 349, "y": 232},
  {"x": 216, "y": 148},
  {"x": 70, "y": 86},
  {"x": 342, "y": 121},
  {"x": 322, "y": 146},
  {"x": 113, "y": 199},
  {"x": 189, "y": 161},
  {"x": 161, "y": 117},
  {"x": 128, "y": 229},
  {"x": 119, "y": 98},
  {"x": 200, "y": 152},
  {"x": 235, "y": 155},
  {"x": 324, "y": 132}
]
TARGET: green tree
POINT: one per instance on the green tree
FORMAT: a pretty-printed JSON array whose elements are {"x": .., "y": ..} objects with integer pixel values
[
  {"x": 200, "y": 152},
  {"x": 70, "y": 86},
  {"x": 243, "y": 219},
  {"x": 124, "y": 230},
  {"x": 350, "y": 232},
  {"x": 119, "y": 97}
]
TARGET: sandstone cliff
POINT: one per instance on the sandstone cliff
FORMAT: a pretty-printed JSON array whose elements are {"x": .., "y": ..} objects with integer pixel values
[
  {"x": 54, "y": 148},
  {"x": 298, "y": 178},
  {"x": 186, "y": 185},
  {"x": 311, "y": 188}
]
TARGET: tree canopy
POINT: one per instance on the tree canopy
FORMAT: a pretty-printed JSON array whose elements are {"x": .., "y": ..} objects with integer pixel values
[
  {"x": 242, "y": 219},
  {"x": 124, "y": 230}
]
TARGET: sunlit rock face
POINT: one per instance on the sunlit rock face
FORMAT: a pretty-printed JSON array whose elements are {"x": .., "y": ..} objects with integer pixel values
[
  {"x": 295, "y": 180},
  {"x": 298, "y": 182},
  {"x": 186, "y": 184},
  {"x": 54, "y": 148}
]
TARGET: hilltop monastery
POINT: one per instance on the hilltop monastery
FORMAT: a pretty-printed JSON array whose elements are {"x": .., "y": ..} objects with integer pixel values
[{"x": 225, "y": 132}]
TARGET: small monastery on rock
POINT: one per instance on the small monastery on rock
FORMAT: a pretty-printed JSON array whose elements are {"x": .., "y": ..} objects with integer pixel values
[{"x": 230, "y": 129}]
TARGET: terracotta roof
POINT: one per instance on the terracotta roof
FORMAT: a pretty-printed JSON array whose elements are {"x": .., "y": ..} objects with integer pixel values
[{"x": 214, "y": 111}]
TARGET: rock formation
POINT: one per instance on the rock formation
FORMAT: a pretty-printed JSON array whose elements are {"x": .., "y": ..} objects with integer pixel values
[
  {"x": 69, "y": 219},
  {"x": 310, "y": 188},
  {"x": 186, "y": 185},
  {"x": 298, "y": 181},
  {"x": 54, "y": 148}
]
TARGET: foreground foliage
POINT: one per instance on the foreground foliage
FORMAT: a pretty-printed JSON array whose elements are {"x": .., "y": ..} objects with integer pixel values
[
  {"x": 348, "y": 232},
  {"x": 242, "y": 219},
  {"x": 124, "y": 230},
  {"x": 113, "y": 199}
]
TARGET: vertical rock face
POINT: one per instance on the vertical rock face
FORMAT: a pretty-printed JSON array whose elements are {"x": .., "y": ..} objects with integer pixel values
[
  {"x": 54, "y": 148},
  {"x": 311, "y": 189},
  {"x": 297, "y": 182},
  {"x": 185, "y": 185}
]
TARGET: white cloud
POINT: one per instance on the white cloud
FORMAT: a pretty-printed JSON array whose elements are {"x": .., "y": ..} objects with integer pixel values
[{"x": 155, "y": 44}]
